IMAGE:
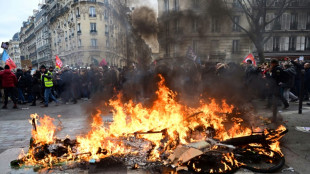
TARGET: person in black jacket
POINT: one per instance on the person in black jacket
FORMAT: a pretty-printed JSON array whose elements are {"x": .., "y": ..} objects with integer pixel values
[
  {"x": 21, "y": 85},
  {"x": 36, "y": 87},
  {"x": 278, "y": 77},
  {"x": 307, "y": 79}
]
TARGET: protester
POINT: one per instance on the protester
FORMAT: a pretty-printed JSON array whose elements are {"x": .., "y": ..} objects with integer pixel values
[
  {"x": 8, "y": 82},
  {"x": 21, "y": 86},
  {"x": 279, "y": 78},
  {"x": 36, "y": 87},
  {"x": 47, "y": 84}
]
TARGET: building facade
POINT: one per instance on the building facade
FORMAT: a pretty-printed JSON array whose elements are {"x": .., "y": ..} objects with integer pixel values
[
  {"x": 43, "y": 46},
  {"x": 87, "y": 31},
  {"x": 80, "y": 33},
  {"x": 14, "y": 51},
  {"x": 192, "y": 25},
  {"x": 290, "y": 34}
]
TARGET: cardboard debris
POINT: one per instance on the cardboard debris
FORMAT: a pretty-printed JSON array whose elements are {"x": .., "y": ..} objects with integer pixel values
[{"x": 190, "y": 154}]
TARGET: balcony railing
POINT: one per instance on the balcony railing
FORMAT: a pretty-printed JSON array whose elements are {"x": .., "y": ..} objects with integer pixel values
[
  {"x": 59, "y": 13},
  {"x": 34, "y": 54},
  {"x": 93, "y": 31},
  {"x": 92, "y": 15},
  {"x": 79, "y": 32}
]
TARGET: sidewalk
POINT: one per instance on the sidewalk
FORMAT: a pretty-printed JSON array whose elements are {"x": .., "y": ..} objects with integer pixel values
[{"x": 295, "y": 145}]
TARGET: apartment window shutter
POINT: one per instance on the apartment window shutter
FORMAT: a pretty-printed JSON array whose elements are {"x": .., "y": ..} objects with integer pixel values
[
  {"x": 286, "y": 43},
  {"x": 288, "y": 21},
  {"x": 302, "y": 43}
]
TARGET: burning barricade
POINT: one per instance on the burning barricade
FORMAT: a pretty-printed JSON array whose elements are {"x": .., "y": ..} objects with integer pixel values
[{"x": 206, "y": 139}]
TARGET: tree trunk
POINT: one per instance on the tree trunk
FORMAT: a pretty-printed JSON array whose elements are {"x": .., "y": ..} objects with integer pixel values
[{"x": 260, "y": 52}]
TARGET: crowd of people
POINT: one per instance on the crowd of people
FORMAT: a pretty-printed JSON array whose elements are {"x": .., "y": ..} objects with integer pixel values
[
  {"x": 50, "y": 85},
  {"x": 281, "y": 80}
]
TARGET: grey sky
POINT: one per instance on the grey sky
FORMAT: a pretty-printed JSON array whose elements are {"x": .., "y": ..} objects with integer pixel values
[
  {"x": 14, "y": 12},
  {"x": 12, "y": 15}
]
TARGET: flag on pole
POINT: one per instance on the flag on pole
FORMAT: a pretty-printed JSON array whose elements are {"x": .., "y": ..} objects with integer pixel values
[
  {"x": 5, "y": 56},
  {"x": 58, "y": 62},
  {"x": 103, "y": 62},
  {"x": 250, "y": 57},
  {"x": 11, "y": 63}
]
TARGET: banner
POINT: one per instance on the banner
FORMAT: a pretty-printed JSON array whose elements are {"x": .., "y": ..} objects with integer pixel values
[
  {"x": 250, "y": 57},
  {"x": 58, "y": 62},
  {"x": 11, "y": 63}
]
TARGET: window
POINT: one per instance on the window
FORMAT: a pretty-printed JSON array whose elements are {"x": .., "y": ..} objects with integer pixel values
[
  {"x": 167, "y": 6},
  {"x": 167, "y": 29},
  {"x": 106, "y": 29},
  {"x": 277, "y": 23},
  {"x": 107, "y": 43},
  {"x": 94, "y": 42},
  {"x": 236, "y": 46},
  {"x": 105, "y": 14},
  {"x": 236, "y": 21},
  {"x": 77, "y": 12},
  {"x": 167, "y": 49},
  {"x": 276, "y": 43},
  {"x": 92, "y": 0},
  {"x": 92, "y": 12},
  {"x": 176, "y": 5},
  {"x": 93, "y": 27},
  {"x": 215, "y": 25},
  {"x": 176, "y": 26},
  {"x": 79, "y": 28},
  {"x": 308, "y": 21},
  {"x": 294, "y": 23},
  {"x": 292, "y": 43},
  {"x": 195, "y": 3},
  {"x": 307, "y": 43},
  {"x": 80, "y": 43},
  {"x": 194, "y": 25}
]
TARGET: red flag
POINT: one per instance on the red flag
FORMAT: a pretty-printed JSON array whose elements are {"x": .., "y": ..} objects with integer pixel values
[
  {"x": 58, "y": 62},
  {"x": 103, "y": 62},
  {"x": 250, "y": 57},
  {"x": 11, "y": 63}
]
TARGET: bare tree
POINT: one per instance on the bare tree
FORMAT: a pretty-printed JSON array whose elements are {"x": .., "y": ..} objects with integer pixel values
[{"x": 256, "y": 14}]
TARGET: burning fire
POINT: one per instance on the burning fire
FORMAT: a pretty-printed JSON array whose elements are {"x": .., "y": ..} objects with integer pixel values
[{"x": 167, "y": 120}]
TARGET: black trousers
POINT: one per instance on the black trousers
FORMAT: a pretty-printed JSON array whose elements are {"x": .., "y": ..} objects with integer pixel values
[{"x": 12, "y": 92}]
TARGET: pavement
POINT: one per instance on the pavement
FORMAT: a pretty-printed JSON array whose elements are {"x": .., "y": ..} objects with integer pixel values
[{"x": 15, "y": 132}]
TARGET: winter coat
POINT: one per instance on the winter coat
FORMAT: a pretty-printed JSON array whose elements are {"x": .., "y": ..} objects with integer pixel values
[
  {"x": 290, "y": 74},
  {"x": 8, "y": 79}
]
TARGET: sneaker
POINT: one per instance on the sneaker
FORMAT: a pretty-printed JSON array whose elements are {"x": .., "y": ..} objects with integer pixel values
[
  {"x": 4, "y": 107},
  {"x": 44, "y": 106},
  {"x": 15, "y": 106},
  {"x": 33, "y": 104}
]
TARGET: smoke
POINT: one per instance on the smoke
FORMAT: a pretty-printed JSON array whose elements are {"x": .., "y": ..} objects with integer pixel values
[{"x": 144, "y": 21}]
